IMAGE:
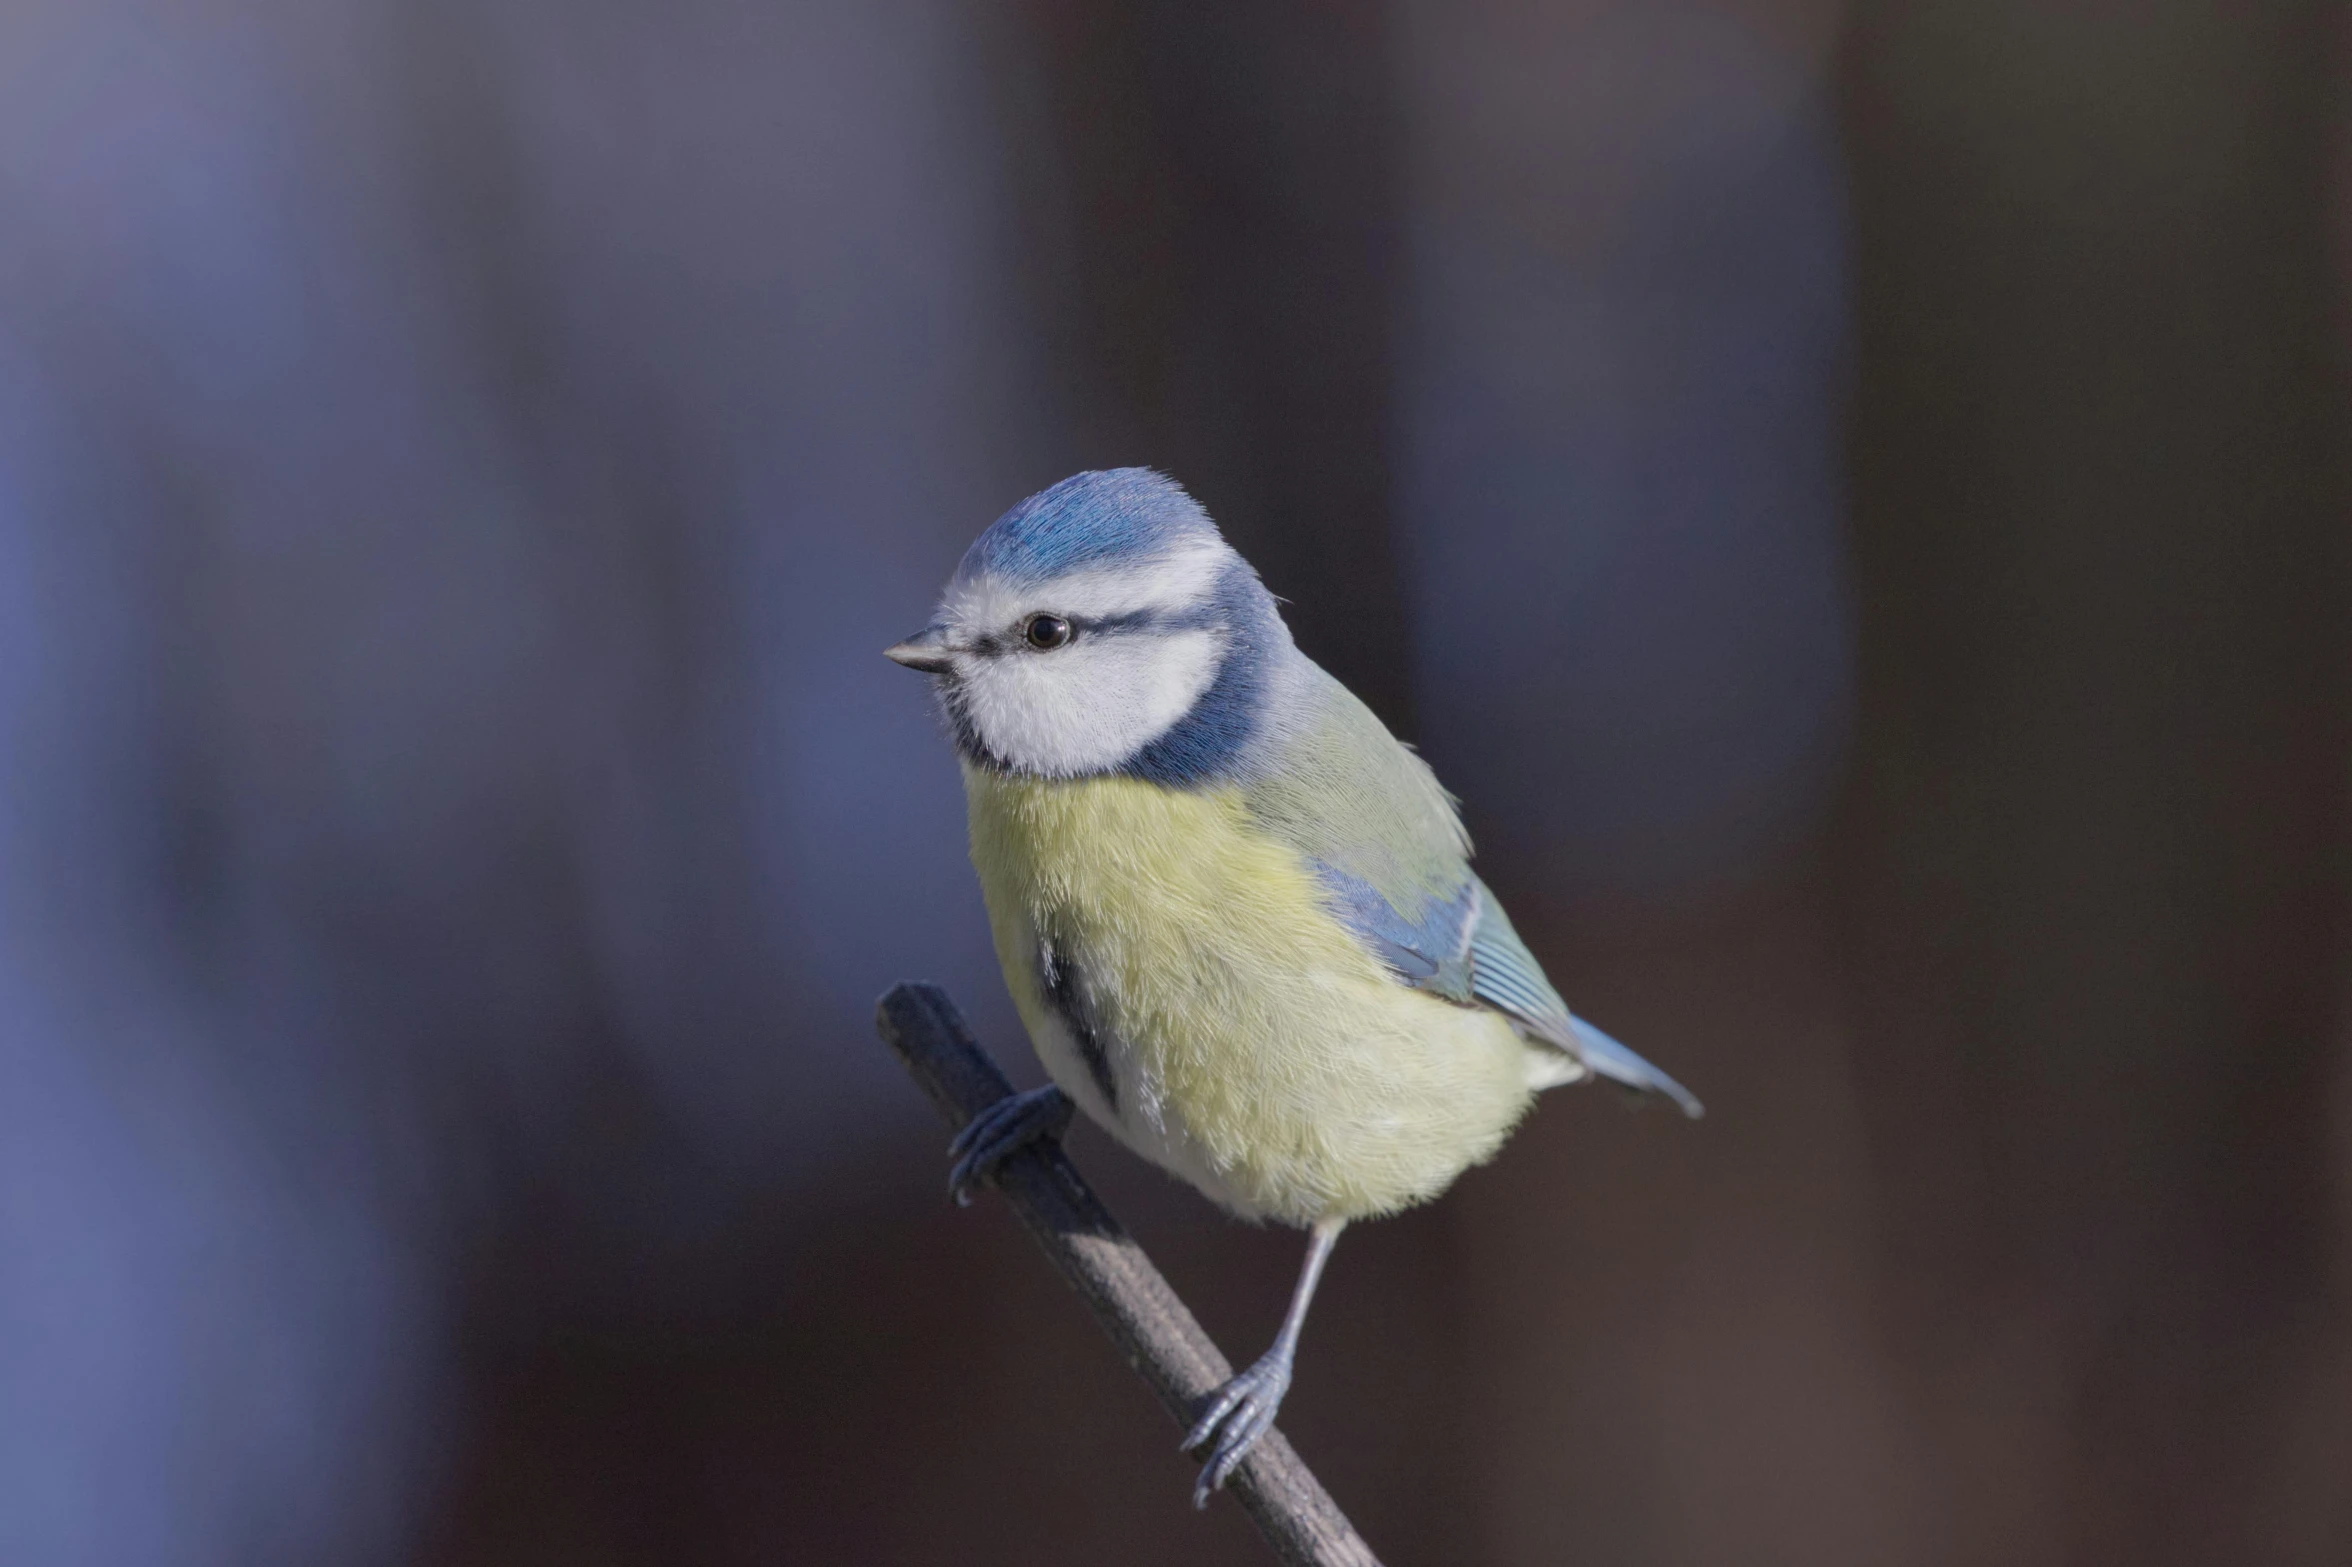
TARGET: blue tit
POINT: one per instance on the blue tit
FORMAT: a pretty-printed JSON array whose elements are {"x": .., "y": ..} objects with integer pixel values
[{"x": 1237, "y": 915}]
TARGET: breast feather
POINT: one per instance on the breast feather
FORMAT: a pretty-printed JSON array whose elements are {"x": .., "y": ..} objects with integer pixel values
[{"x": 1265, "y": 1044}]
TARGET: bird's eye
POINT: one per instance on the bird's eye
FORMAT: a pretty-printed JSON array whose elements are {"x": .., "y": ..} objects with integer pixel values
[{"x": 1045, "y": 631}]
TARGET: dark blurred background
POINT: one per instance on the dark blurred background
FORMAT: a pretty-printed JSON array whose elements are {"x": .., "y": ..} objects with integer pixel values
[{"x": 1852, "y": 497}]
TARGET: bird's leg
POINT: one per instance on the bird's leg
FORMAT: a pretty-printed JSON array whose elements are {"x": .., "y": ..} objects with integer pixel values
[
  {"x": 1002, "y": 1130},
  {"x": 1243, "y": 1409}
]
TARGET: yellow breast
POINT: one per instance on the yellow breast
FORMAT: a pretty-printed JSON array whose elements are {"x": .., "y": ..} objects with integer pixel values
[{"x": 1258, "y": 1049}]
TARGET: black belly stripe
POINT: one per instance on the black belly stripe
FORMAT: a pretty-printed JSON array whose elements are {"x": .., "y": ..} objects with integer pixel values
[{"x": 1059, "y": 975}]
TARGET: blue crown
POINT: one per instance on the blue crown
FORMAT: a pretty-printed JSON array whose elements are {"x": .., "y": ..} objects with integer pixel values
[{"x": 1101, "y": 515}]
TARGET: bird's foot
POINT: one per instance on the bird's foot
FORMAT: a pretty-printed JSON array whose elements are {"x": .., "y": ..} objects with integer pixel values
[
  {"x": 1239, "y": 1414},
  {"x": 1002, "y": 1130}
]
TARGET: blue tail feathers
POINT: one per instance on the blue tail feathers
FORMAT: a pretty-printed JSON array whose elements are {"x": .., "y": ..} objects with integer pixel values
[{"x": 1611, "y": 1060}]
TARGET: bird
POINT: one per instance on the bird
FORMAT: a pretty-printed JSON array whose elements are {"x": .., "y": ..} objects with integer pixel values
[{"x": 1236, "y": 914}]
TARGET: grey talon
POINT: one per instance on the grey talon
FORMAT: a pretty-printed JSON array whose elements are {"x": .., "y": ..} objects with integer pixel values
[
  {"x": 1242, "y": 1411},
  {"x": 1240, "y": 1415},
  {"x": 1002, "y": 1130}
]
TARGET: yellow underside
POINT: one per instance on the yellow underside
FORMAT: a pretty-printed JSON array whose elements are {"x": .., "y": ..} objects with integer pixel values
[{"x": 1260, "y": 1050}]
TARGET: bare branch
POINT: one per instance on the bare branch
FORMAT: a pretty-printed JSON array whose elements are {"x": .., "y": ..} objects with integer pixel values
[{"x": 1103, "y": 1264}]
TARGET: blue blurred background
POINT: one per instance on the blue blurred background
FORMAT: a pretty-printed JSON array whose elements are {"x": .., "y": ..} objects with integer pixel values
[{"x": 1851, "y": 496}]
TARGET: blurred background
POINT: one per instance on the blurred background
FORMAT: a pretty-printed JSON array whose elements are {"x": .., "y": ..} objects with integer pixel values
[{"x": 1852, "y": 496}]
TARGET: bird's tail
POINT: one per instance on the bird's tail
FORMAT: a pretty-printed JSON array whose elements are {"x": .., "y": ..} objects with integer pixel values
[{"x": 1609, "y": 1059}]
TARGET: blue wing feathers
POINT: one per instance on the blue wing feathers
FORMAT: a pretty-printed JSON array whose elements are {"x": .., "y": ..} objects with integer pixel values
[
  {"x": 1429, "y": 952},
  {"x": 1463, "y": 948},
  {"x": 1505, "y": 975}
]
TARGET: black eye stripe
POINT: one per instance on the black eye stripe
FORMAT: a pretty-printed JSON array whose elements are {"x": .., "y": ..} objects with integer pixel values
[
  {"x": 1075, "y": 625},
  {"x": 1133, "y": 620},
  {"x": 1016, "y": 639}
]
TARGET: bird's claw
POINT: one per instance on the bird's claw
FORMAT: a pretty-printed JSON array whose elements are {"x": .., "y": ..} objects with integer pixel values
[
  {"x": 1241, "y": 1412},
  {"x": 1002, "y": 1130}
]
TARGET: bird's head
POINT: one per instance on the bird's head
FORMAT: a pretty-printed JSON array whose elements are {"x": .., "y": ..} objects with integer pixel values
[{"x": 1102, "y": 626}]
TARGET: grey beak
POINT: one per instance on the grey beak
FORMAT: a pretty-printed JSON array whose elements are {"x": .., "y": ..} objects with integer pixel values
[{"x": 925, "y": 652}]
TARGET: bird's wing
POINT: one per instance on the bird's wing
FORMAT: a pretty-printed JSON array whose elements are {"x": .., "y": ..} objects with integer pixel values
[
  {"x": 1505, "y": 975},
  {"x": 1426, "y": 943},
  {"x": 1378, "y": 829},
  {"x": 1384, "y": 839}
]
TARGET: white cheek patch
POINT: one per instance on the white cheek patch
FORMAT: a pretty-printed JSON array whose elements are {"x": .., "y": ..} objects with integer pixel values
[
  {"x": 1088, "y": 707},
  {"x": 1180, "y": 580}
]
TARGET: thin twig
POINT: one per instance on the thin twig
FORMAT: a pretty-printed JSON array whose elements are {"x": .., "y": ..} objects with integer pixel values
[{"x": 1103, "y": 1264}]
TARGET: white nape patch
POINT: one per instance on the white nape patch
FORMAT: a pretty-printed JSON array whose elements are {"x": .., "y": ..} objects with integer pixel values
[{"x": 1089, "y": 706}]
